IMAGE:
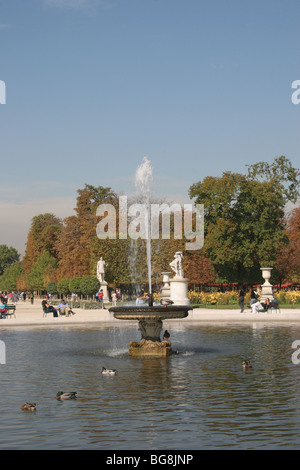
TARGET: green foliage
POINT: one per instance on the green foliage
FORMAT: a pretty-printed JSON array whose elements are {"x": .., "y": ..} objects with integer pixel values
[
  {"x": 41, "y": 272},
  {"x": 63, "y": 286},
  {"x": 75, "y": 285},
  {"x": 52, "y": 288},
  {"x": 280, "y": 172},
  {"x": 8, "y": 256},
  {"x": 244, "y": 225},
  {"x": 8, "y": 281},
  {"x": 90, "y": 285}
]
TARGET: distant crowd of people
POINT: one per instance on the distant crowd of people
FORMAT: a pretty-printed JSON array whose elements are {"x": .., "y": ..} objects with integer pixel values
[{"x": 15, "y": 297}]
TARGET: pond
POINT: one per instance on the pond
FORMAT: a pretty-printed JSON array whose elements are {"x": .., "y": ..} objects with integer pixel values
[{"x": 200, "y": 398}]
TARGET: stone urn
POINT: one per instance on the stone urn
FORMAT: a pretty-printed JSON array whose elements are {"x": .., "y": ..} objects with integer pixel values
[{"x": 266, "y": 288}]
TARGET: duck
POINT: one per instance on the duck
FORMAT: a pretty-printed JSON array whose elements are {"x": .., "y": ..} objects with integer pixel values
[
  {"x": 247, "y": 365},
  {"x": 28, "y": 407},
  {"x": 166, "y": 302},
  {"x": 166, "y": 336},
  {"x": 66, "y": 395},
  {"x": 108, "y": 371}
]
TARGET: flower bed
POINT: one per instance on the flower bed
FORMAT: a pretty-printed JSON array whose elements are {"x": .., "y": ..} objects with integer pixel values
[{"x": 231, "y": 298}]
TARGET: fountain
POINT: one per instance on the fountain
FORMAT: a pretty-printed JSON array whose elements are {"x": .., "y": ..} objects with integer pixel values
[{"x": 150, "y": 317}]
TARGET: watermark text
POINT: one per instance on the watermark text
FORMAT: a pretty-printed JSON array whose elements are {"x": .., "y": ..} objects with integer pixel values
[
  {"x": 2, "y": 353},
  {"x": 296, "y": 94},
  {"x": 152, "y": 222},
  {"x": 2, "y": 92}
]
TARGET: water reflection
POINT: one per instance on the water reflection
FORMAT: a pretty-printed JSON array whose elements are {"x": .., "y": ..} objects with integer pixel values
[{"x": 200, "y": 398}]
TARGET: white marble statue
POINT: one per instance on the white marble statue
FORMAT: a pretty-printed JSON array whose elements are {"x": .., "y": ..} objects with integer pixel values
[
  {"x": 176, "y": 264},
  {"x": 101, "y": 269}
]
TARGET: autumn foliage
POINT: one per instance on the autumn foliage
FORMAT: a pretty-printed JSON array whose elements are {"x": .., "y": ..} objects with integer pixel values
[{"x": 245, "y": 227}]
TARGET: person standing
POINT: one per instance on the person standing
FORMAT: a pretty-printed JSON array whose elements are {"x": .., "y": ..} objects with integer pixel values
[
  {"x": 114, "y": 299},
  {"x": 15, "y": 298},
  {"x": 241, "y": 300},
  {"x": 253, "y": 297},
  {"x": 100, "y": 297}
]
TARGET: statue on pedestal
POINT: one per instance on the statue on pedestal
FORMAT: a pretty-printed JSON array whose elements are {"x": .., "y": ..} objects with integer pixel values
[
  {"x": 179, "y": 284},
  {"x": 101, "y": 269},
  {"x": 176, "y": 264},
  {"x": 101, "y": 265}
]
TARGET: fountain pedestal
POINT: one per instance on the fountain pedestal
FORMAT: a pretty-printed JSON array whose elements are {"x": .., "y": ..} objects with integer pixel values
[
  {"x": 179, "y": 284},
  {"x": 150, "y": 325},
  {"x": 150, "y": 348},
  {"x": 179, "y": 291}
]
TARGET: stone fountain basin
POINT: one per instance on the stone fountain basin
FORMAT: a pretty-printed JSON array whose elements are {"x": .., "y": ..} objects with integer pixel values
[{"x": 159, "y": 312}]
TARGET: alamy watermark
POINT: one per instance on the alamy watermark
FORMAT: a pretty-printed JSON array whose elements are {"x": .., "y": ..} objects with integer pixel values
[
  {"x": 147, "y": 221},
  {"x": 2, "y": 353},
  {"x": 2, "y": 92},
  {"x": 296, "y": 354},
  {"x": 296, "y": 94}
]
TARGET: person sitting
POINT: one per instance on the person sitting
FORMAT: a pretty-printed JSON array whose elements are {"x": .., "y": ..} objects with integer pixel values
[
  {"x": 3, "y": 309},
  {"x": 139, "y": 300},
  {"x": 270, "y": 304},
  {"x": 266, "y": 304},
  {"x": 257, "y": 307},
  {"x": 65, "y": 309},
  {"x": 47, "y": 308}
]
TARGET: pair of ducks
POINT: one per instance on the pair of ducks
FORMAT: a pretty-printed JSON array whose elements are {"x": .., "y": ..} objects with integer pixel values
[{"x": 59, "y": 396}]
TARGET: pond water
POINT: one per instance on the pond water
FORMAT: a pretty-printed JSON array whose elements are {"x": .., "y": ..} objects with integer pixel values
[{"x": 200, "y": 398}]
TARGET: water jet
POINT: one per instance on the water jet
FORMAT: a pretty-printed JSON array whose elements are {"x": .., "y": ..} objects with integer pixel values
[{"x": 150, "y": 317}]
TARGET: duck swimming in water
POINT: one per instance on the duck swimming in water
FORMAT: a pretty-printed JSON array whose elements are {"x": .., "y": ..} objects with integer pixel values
[
  {"x": 247, "y": 365},
  {"x": 166, "y": 336},
  {"x": 28, "y": 407},
  {"x": 66, "y": 395},
  {"x": 108, "y": 371}
]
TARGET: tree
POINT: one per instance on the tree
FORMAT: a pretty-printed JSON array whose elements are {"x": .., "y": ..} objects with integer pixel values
[
  {"x": 70, "y": 251},
  {"x": 78, "y": 240},
  {"x": 9, "y": 279},
  {"x": 294, "y": 236},
  {"x": 90, "y": 285},
  {"x": 8, "y": 256},
  {"x": 287, "y": 263},
  {"x": 197, "y": 268},
  {"x": 42, "y": 236},
  {"x": 63, "y": 286},
  {"x": 51, "y": 288},
  {"x": 244, "y": 217},
  {"x": 41, "y": 272},
  {"x": 75, "y": 285}
]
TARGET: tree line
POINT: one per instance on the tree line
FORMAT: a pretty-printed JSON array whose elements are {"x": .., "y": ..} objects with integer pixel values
[{"x": 245, "y": 224}]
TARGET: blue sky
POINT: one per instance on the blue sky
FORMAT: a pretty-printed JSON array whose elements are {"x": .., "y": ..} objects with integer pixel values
[{"x": 92, "y": 86}]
